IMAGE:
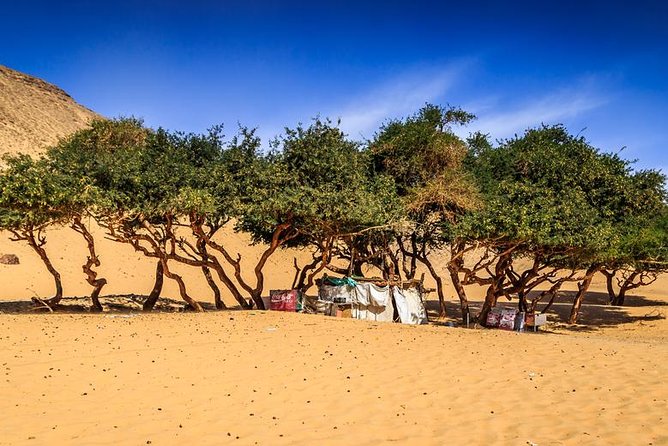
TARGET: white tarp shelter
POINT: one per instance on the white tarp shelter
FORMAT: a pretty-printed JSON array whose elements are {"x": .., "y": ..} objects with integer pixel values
[
  {"x": 373, "y": 303},
  {"x": 409, "y": 306},
  {"x": 376, "y": 303}
]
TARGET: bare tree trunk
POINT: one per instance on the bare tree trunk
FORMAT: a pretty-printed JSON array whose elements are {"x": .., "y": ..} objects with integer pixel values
[
  {"x": 522, "y": 301},
  {"x": 625, "y": 286},
  {"x": 277, "y": 240},
  {"x": 609, "y": 277},
  {"x": 439, "y": 284},
  {"x": 620, "y": 297},
  {"x": 306, "y": 279},
  {"x": 36, "y": 245},
  {"x": 409, "y": 266},
  {"x": 157, "y": 288},
  {"x": 423, "y": 258},
  {"x": 220, "y": 305},
  {"x": 492, "y": 293},
  {"x": 488, "y": 304},
  {"x": 203, "y": 240},
  {"x": 193, "y": 304},
  {"x": 549, "y": 303},
  {"x": 583, "y": 287},
  {"x": 222, "y": 275},
  {"x": 552, "y": 292},
  {"x": 92, "y": 260},
  {"x": 461, "y": 292}
]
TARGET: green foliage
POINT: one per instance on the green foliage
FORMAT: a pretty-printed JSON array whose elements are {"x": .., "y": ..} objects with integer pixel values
[
  {"x": 552, "y": 192},
  {"x": 425, "y": 159},
  {"x": 642, "y": 243},
  {"x": 108, "y": 155},
  {"x": 318, "y": 182},
  {"x": 33, "y": 195},
  {"x": 548, "y": 193}
]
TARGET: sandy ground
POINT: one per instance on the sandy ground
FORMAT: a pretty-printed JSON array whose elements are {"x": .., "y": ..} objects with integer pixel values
[{"x": 273, "y": 378}]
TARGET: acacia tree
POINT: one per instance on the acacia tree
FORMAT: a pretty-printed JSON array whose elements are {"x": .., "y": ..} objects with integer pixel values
[
  {"x": 120, "y": 159},
  {"x": 32, "y": 198},
  {"x": 425, "y": 158},
  {"x": 312, "y": 189},
  {"x": 553, "y": 199},
  {"x": 641, "y": 254}
]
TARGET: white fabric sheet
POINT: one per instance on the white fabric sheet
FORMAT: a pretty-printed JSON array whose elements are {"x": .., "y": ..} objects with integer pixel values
[
  {"x": 372, "y": 303},
  {"x": 362, "y": 294},
  {"x": 409, "y": 306}
]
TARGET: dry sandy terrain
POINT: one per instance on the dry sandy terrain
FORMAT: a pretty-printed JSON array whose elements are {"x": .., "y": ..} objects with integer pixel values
[
  {"x": 271, "y": 378},
  {"x": 35, "y": 113}
]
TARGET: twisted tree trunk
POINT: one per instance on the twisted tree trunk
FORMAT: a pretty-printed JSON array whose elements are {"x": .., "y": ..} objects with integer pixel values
[
  {"x": 193, "y": 304},
  {"x": 220, "y": 305},
  {"x": 37, "y": 243},
  {"x": 492, "y": 294},
  {"x": 454, "y": 267},
  {"x": 92, "y": 260}
]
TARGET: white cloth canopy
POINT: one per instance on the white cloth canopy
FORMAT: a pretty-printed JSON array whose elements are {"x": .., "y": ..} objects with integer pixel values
[
  {"x": 409, "y": 306},
  {"x": 372, "y": 303},
  {"x": 362, "y": 294}
]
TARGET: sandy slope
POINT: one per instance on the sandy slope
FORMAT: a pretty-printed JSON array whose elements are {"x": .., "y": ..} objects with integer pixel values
[
  {"x": 35, "y": 113},
  {"x": 126, "y": 270},
  {"x": 271, "y": 378}
]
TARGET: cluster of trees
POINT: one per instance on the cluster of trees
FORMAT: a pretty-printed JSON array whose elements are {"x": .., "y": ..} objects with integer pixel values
[{"x": 532, "y": 212}]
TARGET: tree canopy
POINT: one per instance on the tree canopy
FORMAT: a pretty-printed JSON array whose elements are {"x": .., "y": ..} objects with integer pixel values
[{"x": 539, "y": 209}]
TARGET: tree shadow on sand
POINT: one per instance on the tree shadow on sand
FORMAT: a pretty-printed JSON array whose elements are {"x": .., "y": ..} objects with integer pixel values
[
  {"x": 118, "y": 303},
  {"x": 595, "y": 313}
]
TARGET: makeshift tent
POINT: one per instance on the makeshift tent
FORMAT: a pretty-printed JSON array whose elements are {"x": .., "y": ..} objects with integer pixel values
[
  {"x": 337, "y": 293},
  {"x": 373, "y": 303},
  {"x": 409, "y": 306},
  {"x": 375, "y": 299}
]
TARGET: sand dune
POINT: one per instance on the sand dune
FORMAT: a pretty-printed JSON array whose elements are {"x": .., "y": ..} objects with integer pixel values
[{"x": 126, "y": 270}]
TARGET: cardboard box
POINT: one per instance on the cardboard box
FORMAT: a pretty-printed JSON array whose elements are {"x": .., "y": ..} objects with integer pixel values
[{"x": 536, "y": 320}]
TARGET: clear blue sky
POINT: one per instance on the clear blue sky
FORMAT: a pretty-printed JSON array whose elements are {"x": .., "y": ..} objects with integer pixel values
[{"x": 599, "y": 65}]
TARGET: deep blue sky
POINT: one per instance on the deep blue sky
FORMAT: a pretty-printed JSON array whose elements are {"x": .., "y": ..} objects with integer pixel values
[{"x": 601, "y": 66}]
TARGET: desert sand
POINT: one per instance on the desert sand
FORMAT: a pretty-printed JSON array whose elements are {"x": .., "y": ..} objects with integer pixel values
[{"x": 254, "y": 377}]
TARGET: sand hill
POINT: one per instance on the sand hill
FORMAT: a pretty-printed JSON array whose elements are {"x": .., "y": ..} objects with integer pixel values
[{"x": 35, "y": 113}]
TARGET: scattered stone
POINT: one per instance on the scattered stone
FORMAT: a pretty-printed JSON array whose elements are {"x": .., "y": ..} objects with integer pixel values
[{"x": 9, "y": 259}]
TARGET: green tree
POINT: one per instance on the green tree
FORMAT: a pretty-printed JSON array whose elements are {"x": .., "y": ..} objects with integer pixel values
[
  {"x": 641, "y": 253},
  {"x": 425, "y": 158},
  {"x": 32, "y": 198},
  {"x": 552, "y": 198}
]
